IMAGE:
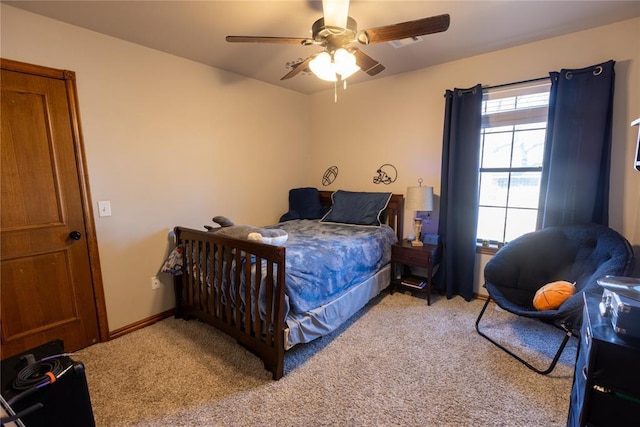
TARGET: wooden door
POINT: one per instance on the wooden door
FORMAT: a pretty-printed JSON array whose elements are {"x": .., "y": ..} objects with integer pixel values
[{"x": 51, "y": 286}]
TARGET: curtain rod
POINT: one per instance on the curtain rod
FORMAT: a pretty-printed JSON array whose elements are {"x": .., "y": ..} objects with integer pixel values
[
  {"x": 537, "y": 79},
  {"x": 596, "y": 71}
]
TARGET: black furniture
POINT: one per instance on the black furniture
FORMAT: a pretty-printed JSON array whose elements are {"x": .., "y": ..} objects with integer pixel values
[
  {"x": 406, "y": 255},
  {"x": 636, "y": 162},
  {"x": 575, "y": 253},
  {"x": 63, "y": 403},
  {"x": 606, "y": 381}
]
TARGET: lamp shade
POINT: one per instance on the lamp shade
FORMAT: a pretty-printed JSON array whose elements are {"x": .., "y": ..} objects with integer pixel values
[{"x": 419, "y": 198}]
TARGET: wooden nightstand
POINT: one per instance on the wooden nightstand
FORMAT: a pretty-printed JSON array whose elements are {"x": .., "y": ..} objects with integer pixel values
[{"x": 404, "y": 255}]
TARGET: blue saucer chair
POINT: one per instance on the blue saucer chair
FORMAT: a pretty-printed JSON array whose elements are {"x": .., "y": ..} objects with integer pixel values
[{"x": 576, "y": 253}]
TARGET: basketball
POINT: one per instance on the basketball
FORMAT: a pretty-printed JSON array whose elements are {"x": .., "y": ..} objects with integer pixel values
[{"x": 552, "y": 295}]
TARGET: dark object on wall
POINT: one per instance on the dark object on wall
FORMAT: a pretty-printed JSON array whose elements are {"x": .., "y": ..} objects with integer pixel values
[
  {"x": 606, "y": 380},
  {"x": 330, "y": 175},
  {"x": 636, "y": 162},
  {"x": 579, "y": 254},
  {"x": 63, "y": 403},
  {"x": 386, "y": 174}
]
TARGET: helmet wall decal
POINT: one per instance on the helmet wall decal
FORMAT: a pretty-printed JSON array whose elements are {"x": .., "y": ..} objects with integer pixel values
[{"x": 386, "y": 174}]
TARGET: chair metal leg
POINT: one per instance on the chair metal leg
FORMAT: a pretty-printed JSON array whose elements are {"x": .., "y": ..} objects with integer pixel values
[{"x": 564, "y": 342}]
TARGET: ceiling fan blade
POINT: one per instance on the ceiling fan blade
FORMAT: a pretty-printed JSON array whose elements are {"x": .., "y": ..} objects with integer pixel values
[
  {"x": 298, "y": 67},
  {"x": 367, "y": 63},
  {"x": 404, "y": 30},
  {"x": 260, "y": 39}
]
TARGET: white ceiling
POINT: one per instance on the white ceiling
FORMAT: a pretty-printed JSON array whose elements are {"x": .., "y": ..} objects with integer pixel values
[{"x": 196, "y": 29}]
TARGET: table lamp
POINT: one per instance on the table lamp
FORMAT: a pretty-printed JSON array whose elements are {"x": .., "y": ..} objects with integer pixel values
[{"x": 419, "y": 199}]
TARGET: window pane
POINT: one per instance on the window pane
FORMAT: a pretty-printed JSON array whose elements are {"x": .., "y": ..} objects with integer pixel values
[
  {"x": 525, "y": 190},
  {"x": 515, "y": 117},
  {"x": 520, "y": 221},
  {"x": 496, "y": 129},
  {"x": 528, "y": 148},
  {"x": 502, "y": 104},
  {"x": 533, "y": 100},
  {"x": 497, "y": 150},
  {"x": 493, "y": 188},
  {"x": 536, "y": 125},
  {"x": 491, "y": 223}
]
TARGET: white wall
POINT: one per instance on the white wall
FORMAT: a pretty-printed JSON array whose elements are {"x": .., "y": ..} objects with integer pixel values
[
  {"x": 168, "y": 142},
  {"x": 399, "y": 119}
]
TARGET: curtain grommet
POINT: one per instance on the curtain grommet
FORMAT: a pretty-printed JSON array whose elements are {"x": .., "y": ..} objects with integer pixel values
[{"x": 598, "y": 70}]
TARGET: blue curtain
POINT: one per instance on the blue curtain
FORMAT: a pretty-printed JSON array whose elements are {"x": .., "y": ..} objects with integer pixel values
[
  {"x": 575, "y": 179},
  {"x": 459, "y": 191}
]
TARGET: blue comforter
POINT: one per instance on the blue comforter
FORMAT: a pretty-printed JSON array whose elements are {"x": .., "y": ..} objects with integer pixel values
[{"x": 325, "y": 260}]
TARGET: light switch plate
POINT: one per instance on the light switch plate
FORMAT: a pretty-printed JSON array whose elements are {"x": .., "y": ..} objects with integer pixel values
[{"x": 104, "y": 208}]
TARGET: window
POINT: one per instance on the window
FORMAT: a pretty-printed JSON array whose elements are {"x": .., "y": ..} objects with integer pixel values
[{"x": 514, "y": 122}]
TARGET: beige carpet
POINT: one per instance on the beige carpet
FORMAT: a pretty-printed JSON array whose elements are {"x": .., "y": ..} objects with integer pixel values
[{"x": 396, "y": 363}]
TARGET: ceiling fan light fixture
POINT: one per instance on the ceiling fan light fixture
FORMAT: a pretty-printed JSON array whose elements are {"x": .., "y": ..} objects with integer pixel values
[
  {"x": 323, "y": 67},
  {"x": 345, "y": 63},
  {"x": 327, "y": 67}
]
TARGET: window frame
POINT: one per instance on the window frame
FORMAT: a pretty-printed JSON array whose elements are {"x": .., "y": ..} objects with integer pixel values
[{"x": 512, "y": 117}]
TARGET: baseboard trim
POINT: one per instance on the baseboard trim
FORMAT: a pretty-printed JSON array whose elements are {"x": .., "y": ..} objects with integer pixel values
[{"x": 140, "y": 324}]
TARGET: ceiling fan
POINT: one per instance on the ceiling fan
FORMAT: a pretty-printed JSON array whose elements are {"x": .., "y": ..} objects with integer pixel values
[{"x": 336, "y": 32}]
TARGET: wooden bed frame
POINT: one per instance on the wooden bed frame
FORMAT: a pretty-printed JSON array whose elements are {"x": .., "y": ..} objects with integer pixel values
[{"x": 196, "y": 299}]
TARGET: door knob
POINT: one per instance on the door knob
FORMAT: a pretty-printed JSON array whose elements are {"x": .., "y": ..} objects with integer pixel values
[{"x": 75, "y": 235}]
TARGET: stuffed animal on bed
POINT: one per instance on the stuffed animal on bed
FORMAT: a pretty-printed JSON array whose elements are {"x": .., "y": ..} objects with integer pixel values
[{"x": 270, "y": 236}]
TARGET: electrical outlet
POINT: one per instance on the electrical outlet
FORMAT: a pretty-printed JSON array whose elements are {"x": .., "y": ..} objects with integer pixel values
[{"x": 155, "y": 283}]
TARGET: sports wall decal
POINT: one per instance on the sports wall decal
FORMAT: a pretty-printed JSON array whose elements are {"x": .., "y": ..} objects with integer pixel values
[
  {"x": 386, "y": 174},
  {"x": 330, "y": 175}
]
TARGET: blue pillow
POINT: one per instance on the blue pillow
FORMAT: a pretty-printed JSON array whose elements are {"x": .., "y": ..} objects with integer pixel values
[
  {"x": 304, "y": 203},
  {"x": 357, "y": 208}
]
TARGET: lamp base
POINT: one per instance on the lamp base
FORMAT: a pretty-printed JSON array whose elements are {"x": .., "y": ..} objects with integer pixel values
[{"x": 417, "y": 229}]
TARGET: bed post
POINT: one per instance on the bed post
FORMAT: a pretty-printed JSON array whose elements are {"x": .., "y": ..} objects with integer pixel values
[
  {"x": 177, "y": 279},
  {"x": 274, "y": 361}
]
